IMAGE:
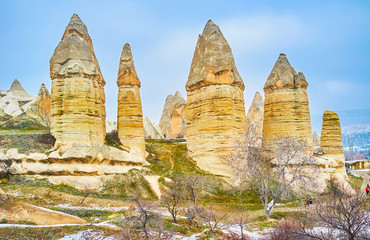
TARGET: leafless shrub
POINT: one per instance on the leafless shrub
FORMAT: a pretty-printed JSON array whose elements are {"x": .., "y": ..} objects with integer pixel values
[
  {"x": 172, "y": 198},
  {"x": 87, "y": 192},
  {"x": 240, "y": 219},
  {"x": 193, "y": 183},
  {"x": 190, "y": 212},
  {"x": 339, "y": 216},
  {"x": 272, "y": 178},
  {"x": 211, "y": 219},
  {"x": 143, "y": 216}
]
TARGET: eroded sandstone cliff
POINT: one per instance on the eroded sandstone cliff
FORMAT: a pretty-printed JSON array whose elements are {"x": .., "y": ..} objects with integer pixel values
[
  {"x": 215, "y": 114},
  {"x": 130, "y": 115}
]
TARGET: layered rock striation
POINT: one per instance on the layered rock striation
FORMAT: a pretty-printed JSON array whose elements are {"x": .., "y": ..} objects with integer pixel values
[
  {"x": 255, "y": 120},
  {"x": 77, "y": 91},
  {"x": 286, "y": 109},
  {"x": 173, "y": 122},
  {"x": 130, "y": 115},
  {"x": 215, "y": 114},
  {"x": 331, "y": 142}
]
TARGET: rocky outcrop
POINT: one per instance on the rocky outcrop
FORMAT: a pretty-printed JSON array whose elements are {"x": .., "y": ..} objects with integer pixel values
[
  {"x": 130, "y": 114},
  {"x": 215, "y": 114},
  {"x": 77, "y": 91},
  {"x": 152, "y": 130},
  {"x": 331, "y": 142},
  {"x": 172, "y": 122},
  {"x": 16, "y": 100},
  {"x": 286, "y": 109},
  {"x": 255, "y": 120}
]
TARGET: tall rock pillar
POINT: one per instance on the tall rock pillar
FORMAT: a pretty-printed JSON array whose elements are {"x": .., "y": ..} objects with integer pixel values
[
  {"x": 77, "y": 89},
  {"x": 215, "y": 114},
  {"x": 286, "y": 109},
  {"x": 130, "y": 114},
  {"x": 331, "y": 141}
]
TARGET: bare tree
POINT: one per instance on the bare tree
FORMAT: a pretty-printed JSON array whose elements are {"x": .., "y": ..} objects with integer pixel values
[
  {"x": 211, "y": 219},
  {"x": 144, "y": 216},
  {"x": 191, "y": 212},
  {"x": 240, "y": 219},
  {"x": 172, "y": 198},
  {"x": 339, "y": 216},
  {"x": 88, "y": 191},
  {"x": 193, "y": 183},
  {"x": 272, "y": 175}
]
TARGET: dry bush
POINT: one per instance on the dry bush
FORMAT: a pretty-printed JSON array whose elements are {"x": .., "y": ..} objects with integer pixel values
[{"x": 211, "y": 219}]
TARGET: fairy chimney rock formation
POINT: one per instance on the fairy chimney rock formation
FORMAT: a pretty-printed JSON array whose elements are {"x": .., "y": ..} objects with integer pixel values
[
  {"x": 130, "y": 115},
  {"x": 77, "y": 91},
  {"x": 152, "y": 130},
  {"x": 215, "y": 114},
  {"x": 286, "y": 109},
  {"x": 255, "y": 119},
  {"x": 172, "y": 122}
]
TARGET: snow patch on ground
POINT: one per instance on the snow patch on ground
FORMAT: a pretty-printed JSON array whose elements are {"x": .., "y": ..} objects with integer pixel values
[{"x": 87, "y": 234}]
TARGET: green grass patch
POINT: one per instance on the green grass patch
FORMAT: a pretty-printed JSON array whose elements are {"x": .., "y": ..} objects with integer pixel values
[
  {"x": 355, "y": 182},
  {"x": 87, "y": 214}
]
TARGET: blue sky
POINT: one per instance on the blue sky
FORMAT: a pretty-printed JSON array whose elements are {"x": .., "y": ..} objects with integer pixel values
[{"x": 329, "y": 41}]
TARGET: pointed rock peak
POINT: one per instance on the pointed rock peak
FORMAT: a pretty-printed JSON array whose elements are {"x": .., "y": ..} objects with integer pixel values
[
  {"x": 43, "y": 90},
  {"x": 210, "y": 28},
  {"x": 258, "y": 95},
  {"x": 74, "y": 54},
  {"x": 126, "y": 54},
  {"x": 213, "y": 62},
  {"x": 127, "y": 73},
  {"x": 16, "y": 86},
  {"x": 76, "y": 24},
  {"x": 283, "y": 75}
]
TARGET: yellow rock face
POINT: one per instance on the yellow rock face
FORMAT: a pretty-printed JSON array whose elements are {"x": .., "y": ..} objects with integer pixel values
[
  {"x": 331, "y": 141},
  {"x": 130, "y": 115},
  {"x": 215, "y": 114},
  {"x": 77, "y": 91},
  {"x": 286, "y": 109}
]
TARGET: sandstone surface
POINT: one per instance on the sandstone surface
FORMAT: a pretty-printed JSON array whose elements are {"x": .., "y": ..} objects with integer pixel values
[
  {"x": 130, "y": 114},
  {"x": 152, "y": 130},
  {"x": 331, "y": 141},
  {"x": 215, "y": 114},
  {"x": 255, "y": 120},
  {"x": 77, "y": 91},
  {"x": 286, "y": 109},
  {"x": 173, "y": 122}
]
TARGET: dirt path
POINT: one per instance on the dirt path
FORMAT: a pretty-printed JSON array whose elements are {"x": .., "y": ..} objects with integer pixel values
[
  {"x": 154, "y": 184},
  {"x": 153, "y": 180}
]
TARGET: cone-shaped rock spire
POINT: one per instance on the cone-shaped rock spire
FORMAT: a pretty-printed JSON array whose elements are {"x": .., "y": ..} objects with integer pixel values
[
  {"x": 17, "y": 90},
  {"x": 77, "y": 91},
  {"x": 213, "y": 62},
  {"x": 215, "y": 114},
  {"x": 130, "y": 114},
  {"x": 74, "y": 54},
  {"x": 255, "y": 119},
  {"x": 283, "y": 75},
  {"x": 172, "y": 122},
  {"x": 286, "y": 109},
  {"x": 127, "y": 73},
  {"x": 331, "y": 135}
]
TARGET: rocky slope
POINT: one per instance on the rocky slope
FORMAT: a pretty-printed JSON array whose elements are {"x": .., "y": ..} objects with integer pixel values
[
  {"x": 215, "y": 114},
  {"x": 130, "y": 114},
  {"x": 172, "y": 122}
]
